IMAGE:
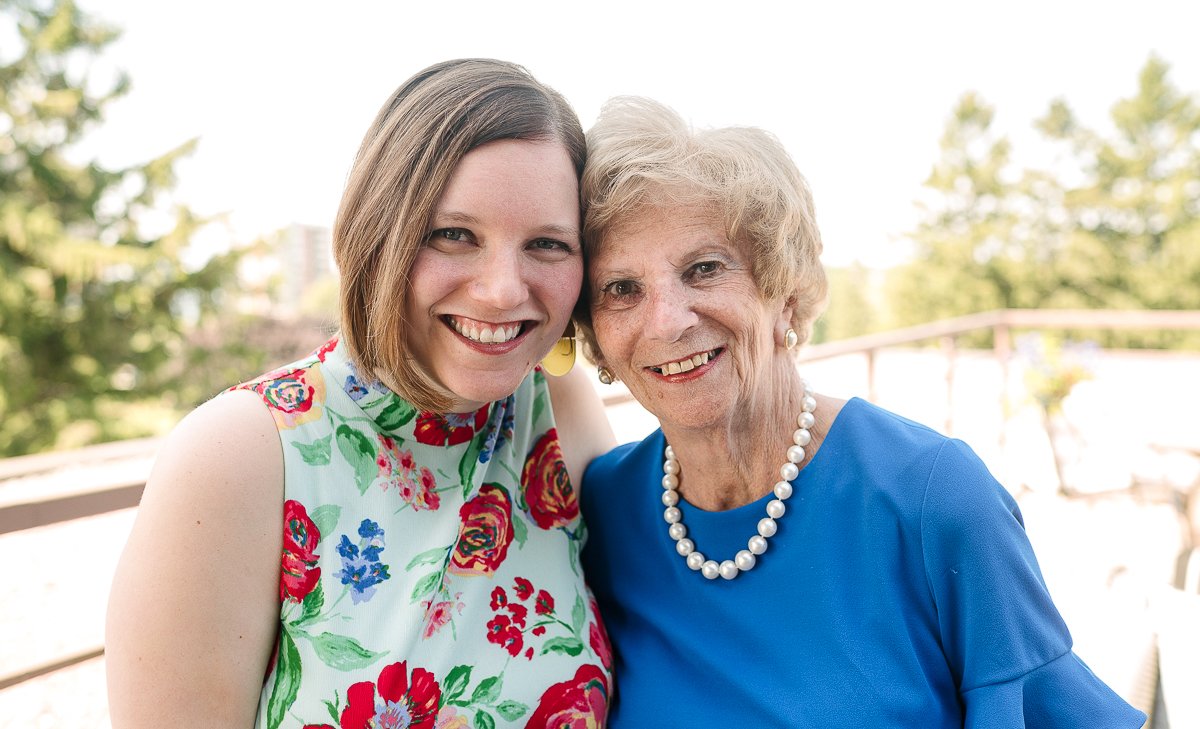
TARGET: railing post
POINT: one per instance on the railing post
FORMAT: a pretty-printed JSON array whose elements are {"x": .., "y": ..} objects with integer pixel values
[
  {"x": 950, "y": 348},
  {"x": 871, "y": 394},
  {"x": 1002, "y": 346}
]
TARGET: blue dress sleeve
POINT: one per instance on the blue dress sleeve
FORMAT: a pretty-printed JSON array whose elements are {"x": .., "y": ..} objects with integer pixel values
[{"x": 1007, "y": 646}]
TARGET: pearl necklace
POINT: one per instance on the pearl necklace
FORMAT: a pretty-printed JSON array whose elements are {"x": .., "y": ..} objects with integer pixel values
[{"x": 745, "y": 559}]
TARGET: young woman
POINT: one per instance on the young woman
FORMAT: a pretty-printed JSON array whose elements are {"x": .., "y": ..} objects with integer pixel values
[{"x": 385, "y": 532}]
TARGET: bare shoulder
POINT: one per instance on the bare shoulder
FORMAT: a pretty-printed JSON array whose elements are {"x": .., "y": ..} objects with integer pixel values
[
  {"x": 583, "y": 428},
  {"x": 195, "y": 599}
]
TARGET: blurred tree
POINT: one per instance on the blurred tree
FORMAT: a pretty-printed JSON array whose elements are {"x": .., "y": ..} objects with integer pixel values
[
  {"x": 92, "y": 308},
  {"x": 1112, "y": 222},
  {"x": 852, "y": 310}
]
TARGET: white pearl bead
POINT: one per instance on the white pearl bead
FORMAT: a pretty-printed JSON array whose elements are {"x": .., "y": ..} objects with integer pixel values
[
  {"x": 710, "y": 569},
  {"x": 671, "y": 466},
  {"x": 670, "y": 481},
  {"x": 795, "y": 454},
  {"x": 789, "y": 472},
  {"x": 744, "y": 560},
  {"x": 670, "y": 498},
  {"x": 672, "y": 514},
  {"x": 767, "y": 527},
  {"x": 685, "y": 547},
  {"x": 806, "y": 420},
  {"x": 783, "y": 490},
  {"x": 757, "y": 544},
  {"x": 802, "y": 437},
  {"x": 809, "y": 404},
  {"x": 677, "y": 531},
  {"x": 775, "y": 508},
  {"x": 669, "y": 453},
  {"x": 729, "y": 569},
  {"x": 695, "y": 560}
]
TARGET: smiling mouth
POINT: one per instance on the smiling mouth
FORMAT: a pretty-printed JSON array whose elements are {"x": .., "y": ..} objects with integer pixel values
[
  {"x": 686, "y": 364},
  {"x": 485, "y": 332}
]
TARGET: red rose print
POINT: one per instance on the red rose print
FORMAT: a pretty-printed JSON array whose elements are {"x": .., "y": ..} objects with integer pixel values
[
  {"x": 503, "y": 633},
  {"x": 449, "y": 428},
  {"x": 299, "y": 574},
  {"x": 484, "y": 533},
  {"x": 579, "y": 702},
  {"x": 499, "y": 598},
  {"x": 548, "y": 492},
  {"x": 523, "y": 588},
  {"x": 393, "y": 699},
  {"x": 598, "y": 638},
  {"x": 544, "y": 604},
  {"x": 294, "y": 396},
  {"x": 325, "y": 349}
]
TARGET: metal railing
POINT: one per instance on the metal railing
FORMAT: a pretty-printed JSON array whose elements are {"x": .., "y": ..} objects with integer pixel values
[{"x": 124, "y": 493}]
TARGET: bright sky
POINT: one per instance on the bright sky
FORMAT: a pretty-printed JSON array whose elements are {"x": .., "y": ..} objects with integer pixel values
[{"x": 280, "y": 93}]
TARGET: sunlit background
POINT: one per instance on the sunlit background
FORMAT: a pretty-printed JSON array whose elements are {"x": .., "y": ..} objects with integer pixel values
[{"x": 965, "y": 158}]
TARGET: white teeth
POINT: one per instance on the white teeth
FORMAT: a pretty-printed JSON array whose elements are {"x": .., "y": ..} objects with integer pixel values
[
  {"x": 685, "y": 365},
  {"x": 486, "y": 335}
]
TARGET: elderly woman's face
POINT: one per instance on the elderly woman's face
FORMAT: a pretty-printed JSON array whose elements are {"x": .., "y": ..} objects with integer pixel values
[{"x": 678, "y": 317}]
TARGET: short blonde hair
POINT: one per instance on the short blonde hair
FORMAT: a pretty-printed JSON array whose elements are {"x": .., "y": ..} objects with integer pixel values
[
  {"x": 406, "y": 158},
  {"x": 642, "y": 155}
]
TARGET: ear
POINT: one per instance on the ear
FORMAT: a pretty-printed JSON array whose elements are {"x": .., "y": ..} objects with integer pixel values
[{"x": 783, "y": 317}]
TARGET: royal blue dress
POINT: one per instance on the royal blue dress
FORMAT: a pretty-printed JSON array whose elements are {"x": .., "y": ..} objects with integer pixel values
[{"x": 900, "y": 591}]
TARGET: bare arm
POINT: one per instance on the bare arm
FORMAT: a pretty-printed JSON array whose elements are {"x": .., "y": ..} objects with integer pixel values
[
  {"x": 583, "y": 428},
  {"x": 195, "y": 601}
]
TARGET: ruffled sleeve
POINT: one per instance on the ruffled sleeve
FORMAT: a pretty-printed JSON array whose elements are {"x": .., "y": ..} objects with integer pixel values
[
  {"x": 1007, "y": 646},
  {"x": 1062, "y": 693}
]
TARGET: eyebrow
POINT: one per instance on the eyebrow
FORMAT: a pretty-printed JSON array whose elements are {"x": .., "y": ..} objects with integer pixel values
[{"x": 451, "y": 217}]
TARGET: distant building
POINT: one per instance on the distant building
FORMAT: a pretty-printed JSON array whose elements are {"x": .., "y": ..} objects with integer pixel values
[{"x": 305, "y": 259}]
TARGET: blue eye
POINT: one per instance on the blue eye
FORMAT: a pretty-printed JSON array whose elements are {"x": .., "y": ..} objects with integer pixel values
[
  {"x": 546, "y": 244},
  {"x": 456, "y": 234}
]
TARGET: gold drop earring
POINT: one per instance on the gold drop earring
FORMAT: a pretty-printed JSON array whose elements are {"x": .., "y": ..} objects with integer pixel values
[{"x": 561, "y": 358}]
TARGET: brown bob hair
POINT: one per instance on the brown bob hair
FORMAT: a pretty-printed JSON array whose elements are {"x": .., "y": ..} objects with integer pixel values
[{"x": 406, "y": 158}]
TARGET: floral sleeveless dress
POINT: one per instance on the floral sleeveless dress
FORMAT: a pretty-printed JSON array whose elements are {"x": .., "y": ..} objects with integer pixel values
[{"x": 430, "y": 569}]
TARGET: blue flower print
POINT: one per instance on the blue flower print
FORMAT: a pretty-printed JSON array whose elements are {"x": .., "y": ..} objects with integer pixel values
[
  {"x": 500, "y": 428},
  {"x": 361, "y": 567},
  {"x": 354, "y": 385}
]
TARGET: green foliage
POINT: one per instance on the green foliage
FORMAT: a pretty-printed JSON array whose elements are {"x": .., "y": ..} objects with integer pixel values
[
  {"x": 852, "y": 311},
  {"x": 93, "y": 309},
  {"x": 1113, "y": 222}
]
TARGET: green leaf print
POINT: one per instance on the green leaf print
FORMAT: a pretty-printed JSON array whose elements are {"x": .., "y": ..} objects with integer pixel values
[
  {"x": 484, "y": 720},
  {"x": 315, "y": 453},
  {"x": 326, "y": 518},
  {"x": 570, "y": 646},
  {"x": 311, "y": 607},
  {"x": 578, "y": 615},
  {"x": 359, "y": 452},
  {"x": 487, "y": 691},
  {"x": 429, "y": 556},
  {"x": 455, "y": 684},
  {"x": 287, "y": 681},
  {"x": 332, "y": 708},
  {"x": 520, "y": 531},
  {"x": 342, "y": 652},
  {"x": 470, "y": 460},
  {"x": 539, "y": 404},
  {"x": 397, "y": 413},
  {"x": 512, "y": 710},
  {"x": 427, "y": 585}
]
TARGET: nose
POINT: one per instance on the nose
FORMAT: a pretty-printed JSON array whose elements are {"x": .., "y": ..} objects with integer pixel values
[
  {"x": 499, "y": 280},
  {"x": 669, "y": 313}
]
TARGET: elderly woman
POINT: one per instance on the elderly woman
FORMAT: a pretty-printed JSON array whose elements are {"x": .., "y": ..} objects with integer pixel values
[{"x": 772, "y": 556}]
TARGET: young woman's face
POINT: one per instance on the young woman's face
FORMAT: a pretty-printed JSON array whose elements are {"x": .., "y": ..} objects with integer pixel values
[{"x": 492, "y": 288}]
